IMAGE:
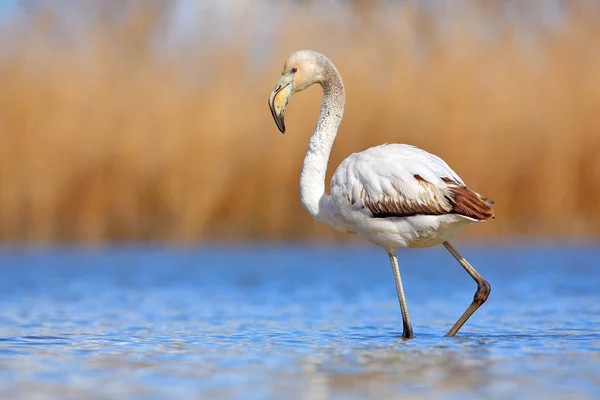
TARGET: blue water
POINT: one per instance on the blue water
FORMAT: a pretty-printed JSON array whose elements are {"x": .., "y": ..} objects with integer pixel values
[{"x": 295, "y": 322}]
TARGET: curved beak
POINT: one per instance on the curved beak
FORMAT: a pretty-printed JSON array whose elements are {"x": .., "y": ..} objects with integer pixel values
[{"x": 279, "y": 98}]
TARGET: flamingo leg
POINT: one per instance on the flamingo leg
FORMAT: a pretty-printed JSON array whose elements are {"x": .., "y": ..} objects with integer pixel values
[
  {"x": 407, "y": 331},
  {"x": 481, "y": 295}
]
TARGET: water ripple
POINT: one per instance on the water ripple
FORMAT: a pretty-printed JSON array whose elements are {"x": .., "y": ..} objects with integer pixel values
[{"x": 295, "y": 323}]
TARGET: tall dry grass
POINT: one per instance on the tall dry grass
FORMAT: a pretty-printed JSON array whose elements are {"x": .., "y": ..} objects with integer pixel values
[{"x": 106, "y": 136}]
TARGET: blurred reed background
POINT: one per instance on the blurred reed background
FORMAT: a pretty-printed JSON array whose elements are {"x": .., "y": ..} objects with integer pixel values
[{"x": 148, "y": 120}]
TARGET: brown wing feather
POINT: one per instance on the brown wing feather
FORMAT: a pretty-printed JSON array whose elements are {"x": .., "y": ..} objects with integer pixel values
[
  {"x": 469, "y": 203},
  {"x": 455, "y": 199},
  {"x": 433, "y": 201}
]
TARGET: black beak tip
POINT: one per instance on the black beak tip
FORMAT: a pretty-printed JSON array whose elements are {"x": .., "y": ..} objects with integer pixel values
[{"x": 280, "y": 123}]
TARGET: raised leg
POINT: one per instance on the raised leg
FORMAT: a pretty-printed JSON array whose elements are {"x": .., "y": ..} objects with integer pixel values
[
  {"x": 481, "y": 295},
  {"x": 407, "y": 331}
]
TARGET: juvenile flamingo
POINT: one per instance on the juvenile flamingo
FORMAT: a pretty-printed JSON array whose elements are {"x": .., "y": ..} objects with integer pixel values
[{"x": 393, "y": 195}]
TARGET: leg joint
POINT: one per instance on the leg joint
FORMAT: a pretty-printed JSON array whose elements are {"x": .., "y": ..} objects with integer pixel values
[{"x": 483, "y": 292}]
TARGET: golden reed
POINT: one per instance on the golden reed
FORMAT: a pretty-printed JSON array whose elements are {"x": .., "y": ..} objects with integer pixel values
[{"x": 104, "y": 138}]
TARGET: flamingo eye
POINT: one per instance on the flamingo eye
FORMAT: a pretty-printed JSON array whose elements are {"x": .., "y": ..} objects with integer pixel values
[{"x": 294, "y": 70}]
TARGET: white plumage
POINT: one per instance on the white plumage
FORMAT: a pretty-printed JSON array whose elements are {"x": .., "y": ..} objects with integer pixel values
[
  {"x": 383, "y": 178},
  {"x": 393, "y": 195}
]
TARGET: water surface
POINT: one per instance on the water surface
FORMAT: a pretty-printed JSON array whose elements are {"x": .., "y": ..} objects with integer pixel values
[{"x": 296, "y": 323}]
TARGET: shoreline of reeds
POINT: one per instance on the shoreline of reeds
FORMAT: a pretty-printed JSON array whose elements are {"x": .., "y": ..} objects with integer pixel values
[{"x": 109, "y": 140}]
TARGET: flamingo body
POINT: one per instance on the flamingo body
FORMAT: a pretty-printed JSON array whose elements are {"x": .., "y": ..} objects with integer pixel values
[{"x": 397, "y": 195}]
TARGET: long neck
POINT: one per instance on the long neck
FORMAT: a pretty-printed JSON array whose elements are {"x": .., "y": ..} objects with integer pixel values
[{"x": 312, "y": 178}]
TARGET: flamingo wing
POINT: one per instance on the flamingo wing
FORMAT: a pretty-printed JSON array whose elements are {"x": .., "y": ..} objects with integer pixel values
[{"x": 396, "y": 180}]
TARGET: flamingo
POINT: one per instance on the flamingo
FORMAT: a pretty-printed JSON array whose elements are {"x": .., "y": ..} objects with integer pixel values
[{"x": 393, "y": 195}]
